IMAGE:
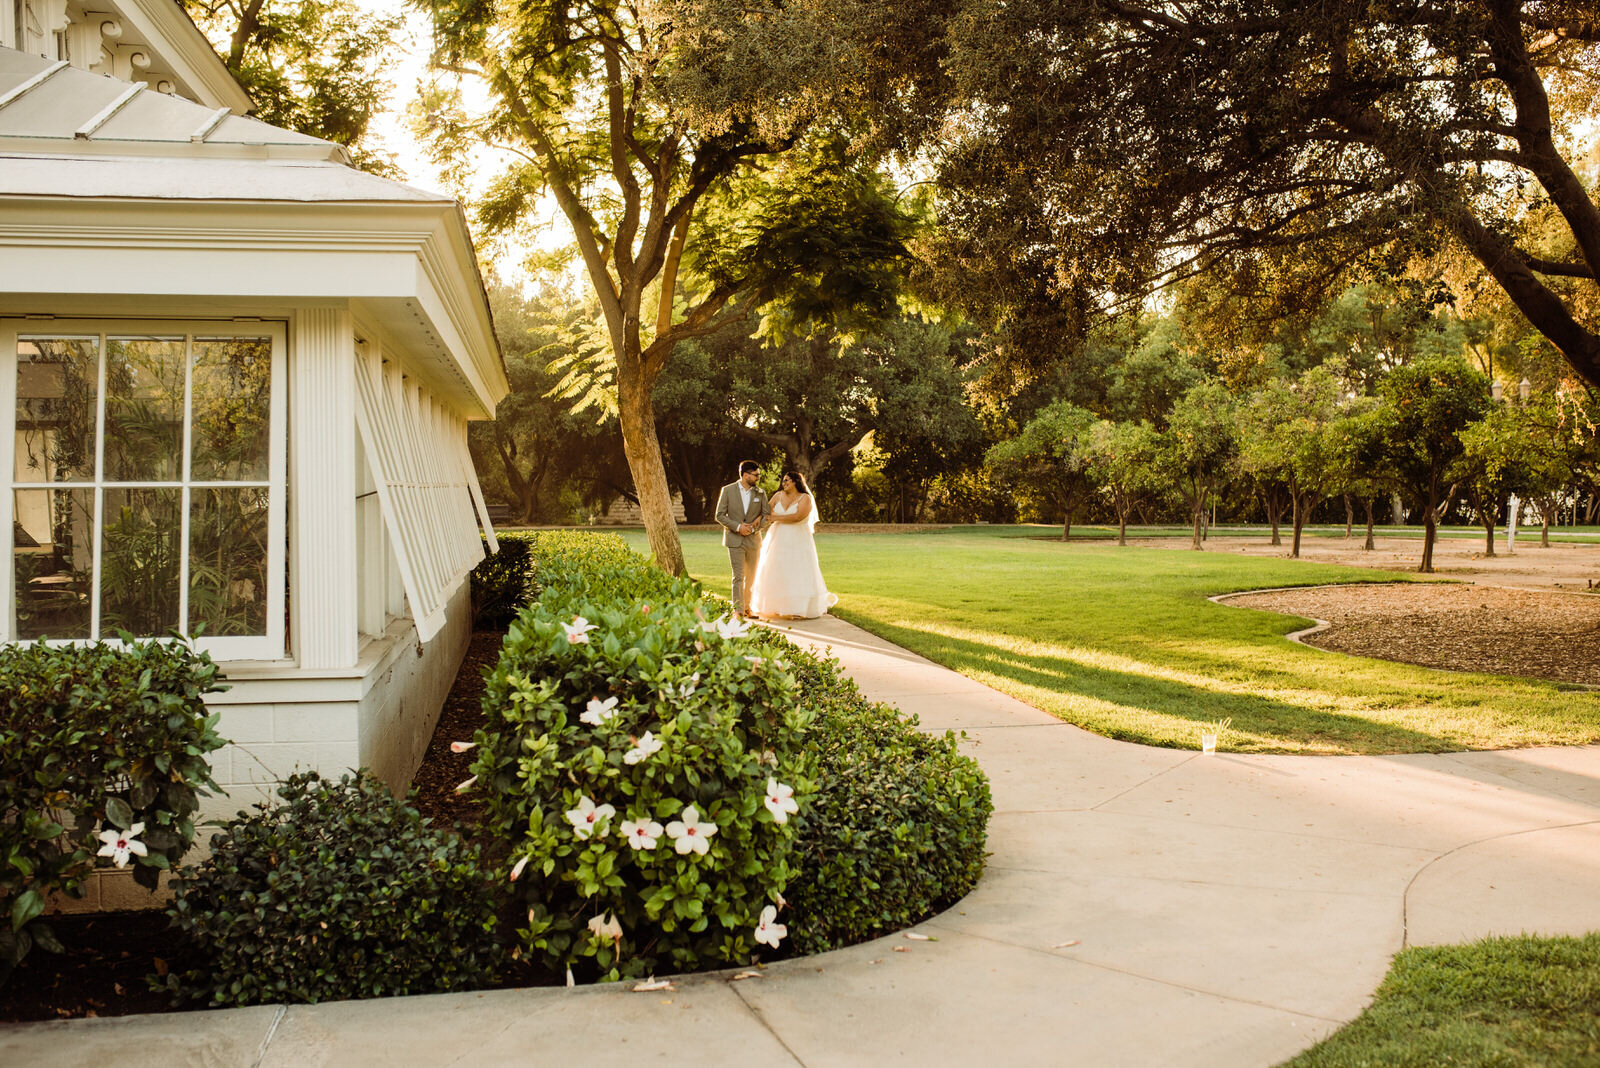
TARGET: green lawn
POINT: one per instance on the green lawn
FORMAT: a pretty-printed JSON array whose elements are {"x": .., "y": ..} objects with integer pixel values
[
  {"x": 1122, "y": 641},
  {"x": 1502, "y": 1001}
]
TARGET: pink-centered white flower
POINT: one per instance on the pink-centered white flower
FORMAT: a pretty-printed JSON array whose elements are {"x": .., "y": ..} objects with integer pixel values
[
  {"x": 689, "y": 835},
  {"x": 578, "y": 630},
  {"x": 461, "y": 747},
  {"x": 606, "y": 926},
  {"x": 769, "y": 930},
  {"x": 641, "y": 834},
  {"x": 710, "y": 625},
  {"x": 464, "y": 787},
  {"x": 646, "y": 745},
  {"x": 780, "y": 800},
  {"x": 587, "y": 817},
  {"x": 732, "y": 628},
  {"x": 686, "y": 687},
  {"x": 118, "y": 844},
  {"x": 599, "y": 711},
  {"x": 517, "y": 868}
]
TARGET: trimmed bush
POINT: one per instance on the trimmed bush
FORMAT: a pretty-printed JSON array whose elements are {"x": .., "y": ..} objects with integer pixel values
[
  {"x": 95, "y": 738},
  {"x": 500, "y": 583},
  {"x": 637, "y": 762},
  {"x": 899, "y": 824},
  {"x": 340, "y": 891}
]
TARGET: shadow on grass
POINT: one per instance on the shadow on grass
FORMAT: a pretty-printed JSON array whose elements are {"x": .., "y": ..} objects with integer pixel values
[{"x": 1292, "y": 726}]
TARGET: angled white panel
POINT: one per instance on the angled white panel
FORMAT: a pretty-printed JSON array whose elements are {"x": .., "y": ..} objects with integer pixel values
[{"x": 413, "y": 446}]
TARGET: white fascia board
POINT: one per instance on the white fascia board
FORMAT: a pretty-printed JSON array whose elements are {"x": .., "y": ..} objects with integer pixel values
[
  {"x": 186, "y": 52},
  {"x": 384, "y": 255}
]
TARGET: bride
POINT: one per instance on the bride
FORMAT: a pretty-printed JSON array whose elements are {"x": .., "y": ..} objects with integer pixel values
[{"x": 788, "y": 580}]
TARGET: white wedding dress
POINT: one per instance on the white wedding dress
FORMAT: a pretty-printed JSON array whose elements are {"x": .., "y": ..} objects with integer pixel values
[{"x": 788, "y": 579}]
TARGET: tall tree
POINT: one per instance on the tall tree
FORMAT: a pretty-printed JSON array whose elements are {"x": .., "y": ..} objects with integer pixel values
[
  {"x": 1106, "y": 145},
  {"x": 1123, "y": 459},
  {"x": 637, "y": 121},
  {"x": 1427, "y": 404},
  {"x": 1493, "y": 465},
  {"x": 314, "y": 66}
]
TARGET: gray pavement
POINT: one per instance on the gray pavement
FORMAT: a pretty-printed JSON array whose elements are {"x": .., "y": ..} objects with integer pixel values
[{"x": 1141, "y": 907}]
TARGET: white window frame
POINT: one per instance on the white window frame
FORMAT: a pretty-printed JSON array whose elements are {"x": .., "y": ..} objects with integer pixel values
[{"x": 250, "y": 647}]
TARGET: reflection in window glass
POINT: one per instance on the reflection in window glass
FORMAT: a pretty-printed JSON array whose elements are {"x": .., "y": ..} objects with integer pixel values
[
  {"x": 231, "y": 406},
  {"x": 57, "y": 379},
  {"x": 53, "y": 558},
  {"x": 139, "y": 561},
  {"x": 228, "y": 561},
  {"x": 144, "y": 409}
]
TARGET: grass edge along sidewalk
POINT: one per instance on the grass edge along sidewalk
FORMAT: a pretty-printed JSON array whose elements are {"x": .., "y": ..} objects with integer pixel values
[{"x": 1123, "y": 642}]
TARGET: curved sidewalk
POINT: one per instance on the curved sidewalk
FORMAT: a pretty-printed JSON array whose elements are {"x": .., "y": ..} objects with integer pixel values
[{"x": 1141, "y": 907}]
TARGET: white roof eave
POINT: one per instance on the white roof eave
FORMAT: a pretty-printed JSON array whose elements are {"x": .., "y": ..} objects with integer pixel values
[{"x": 384, "y": 255}]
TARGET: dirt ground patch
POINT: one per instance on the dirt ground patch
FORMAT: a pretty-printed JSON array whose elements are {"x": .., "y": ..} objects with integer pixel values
[{"x": 1527, "y": 613}]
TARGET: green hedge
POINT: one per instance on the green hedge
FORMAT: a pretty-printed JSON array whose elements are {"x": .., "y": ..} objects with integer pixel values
[
  {"x": 891, "y": 825},
  {"x": 341, "y": 890},
  {"x": 102, "y": 760}
]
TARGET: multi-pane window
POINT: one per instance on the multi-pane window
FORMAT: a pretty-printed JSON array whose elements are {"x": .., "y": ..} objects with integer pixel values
[{"x": 147, "y": 474}]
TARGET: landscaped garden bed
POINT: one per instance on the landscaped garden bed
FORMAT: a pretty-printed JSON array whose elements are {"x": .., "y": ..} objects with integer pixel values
[{"x": 655, "y": 791}]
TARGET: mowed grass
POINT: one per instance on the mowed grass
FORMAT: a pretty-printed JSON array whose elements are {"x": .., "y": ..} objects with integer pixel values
[
  {"x": 1122, "y": 641},
  {"x": 1503, "y": 1001}
]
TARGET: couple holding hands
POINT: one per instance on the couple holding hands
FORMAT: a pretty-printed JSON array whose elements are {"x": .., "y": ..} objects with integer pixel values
[{"x": 780, "y": 578}]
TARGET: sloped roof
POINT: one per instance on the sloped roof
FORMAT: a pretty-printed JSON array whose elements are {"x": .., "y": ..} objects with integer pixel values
[{"x": 67, "y": 132}]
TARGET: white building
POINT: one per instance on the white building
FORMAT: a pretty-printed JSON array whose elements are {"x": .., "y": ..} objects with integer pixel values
[{"x": 239, "y": 374}]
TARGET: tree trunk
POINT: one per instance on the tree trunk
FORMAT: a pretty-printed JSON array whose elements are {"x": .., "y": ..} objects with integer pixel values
[
  {"x": 1429, "y": 530},
  {"x": 1486, "y": 517},
  {"x": 639, "y": 443},
  {"x": 1397, "y": 510},
  {"x": 1299, "y": 524},
  {"x": 1370, "y": 545},
  {"x": 1349, "y": 517},
  {"x": 1122, "y": 525},
  {"x": 1198, "y": 514},
  {"x": 1274, "y": 506}
]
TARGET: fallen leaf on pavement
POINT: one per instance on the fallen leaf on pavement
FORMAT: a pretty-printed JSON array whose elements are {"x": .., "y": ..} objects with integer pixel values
[{"x": 654, "y": 984}]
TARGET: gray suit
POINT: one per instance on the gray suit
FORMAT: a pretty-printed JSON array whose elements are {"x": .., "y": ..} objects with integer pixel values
[{"x": 744, "y": 550}]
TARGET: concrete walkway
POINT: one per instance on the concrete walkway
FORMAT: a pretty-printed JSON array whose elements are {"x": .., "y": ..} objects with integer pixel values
[{"x": 1141, "y": 907}]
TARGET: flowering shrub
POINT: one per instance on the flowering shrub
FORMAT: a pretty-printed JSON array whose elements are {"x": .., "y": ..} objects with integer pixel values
[
  {"x": 500, "y": 582},
  {"x": 897, "y": 829},
  {"x": 340, "y": 891},
  {"x": 561, "y": 565},
  {"x": 102, "y": 755},
  {"x": 643, "y": 769}
]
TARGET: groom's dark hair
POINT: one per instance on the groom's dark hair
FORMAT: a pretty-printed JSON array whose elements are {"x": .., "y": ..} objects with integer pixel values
[{"x": 749, "y": 465}]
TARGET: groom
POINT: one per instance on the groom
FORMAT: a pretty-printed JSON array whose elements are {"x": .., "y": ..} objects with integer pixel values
[{"x": 742, "y": 509}]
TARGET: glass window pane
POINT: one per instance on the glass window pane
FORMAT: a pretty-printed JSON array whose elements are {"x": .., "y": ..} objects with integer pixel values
[
  {"x": 57, "y": 380},
  {"x": 144, "y": 409},
  {"x": 52, "y": 560},
  {"x": 232, "y": 394},
  {"x": 228, "y": 561},
  {"x": 139, "y": 562}
]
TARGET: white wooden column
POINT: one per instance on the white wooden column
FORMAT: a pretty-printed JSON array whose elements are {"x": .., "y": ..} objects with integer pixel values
[{"x": 322, "y": 488}]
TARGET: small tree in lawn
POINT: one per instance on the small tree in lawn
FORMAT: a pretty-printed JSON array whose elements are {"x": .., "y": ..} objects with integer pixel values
[
  {"x": 1263, "y": 448},
  {"x": 1049, "y": 457},
  {"x": 1198, "y": 446},
  {"x": 1313, "y": 471},
  {"x": 1123, "y": 461},
  {"x": 1427, "y": 405},
  {"x": 1561, "y": 440},
  {"x": 1355, "y": 442},
  {"x": 1493, "y": 465}
]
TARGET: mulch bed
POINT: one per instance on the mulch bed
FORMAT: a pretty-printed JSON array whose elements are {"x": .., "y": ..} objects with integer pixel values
[
  {"x": 109, "y": 954},
  {"x": 1489, "y": 629}
]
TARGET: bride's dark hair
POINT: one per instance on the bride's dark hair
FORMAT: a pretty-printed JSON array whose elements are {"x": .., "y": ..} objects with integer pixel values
[{"x": 794, "y": 476}]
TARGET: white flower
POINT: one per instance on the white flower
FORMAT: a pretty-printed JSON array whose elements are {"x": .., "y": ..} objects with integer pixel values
[
  {"x": 578, "y": 630},
  {"x": 118, "y": 844},
  {"x": 733, "y": 628},
  {"x": 599, "y": 711},
  {"x": 461, "y": 747},
  {"x": 780, "y": 800},
  {"x": 517, "y": 870},
  {"x": 464, "y": 787},
  {"x": 606, "y": 926},
  {"x": 769, "y": 930},
  {"x": 710, "y": 626},
  {"x": 689, "y": 834},
  {"x": 642, "y": 834},
  {"x": 687, "y": 686},
  {"x": 769, "y": 757},
  {"x": 588, "y": 816},
  {"x": 644, "y": 747}
]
